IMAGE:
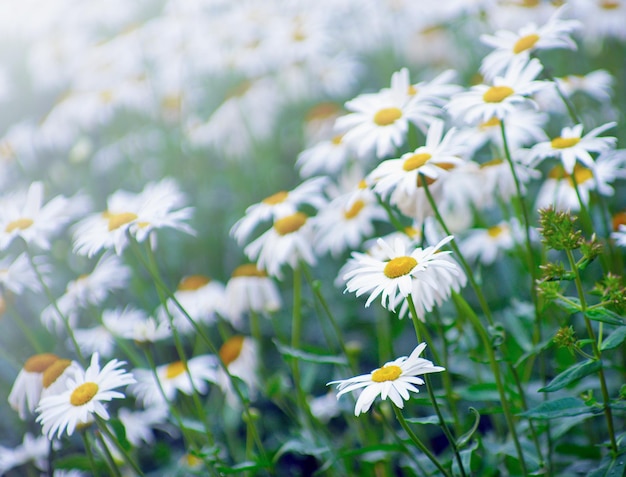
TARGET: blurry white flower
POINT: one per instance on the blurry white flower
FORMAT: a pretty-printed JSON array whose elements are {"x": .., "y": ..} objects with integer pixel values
[
  {"x": 35, "y": 449},
  {"x": 139, "y": 424},
  {"x": 18, "y": 275},
  {"x": 95, "y": 340},
  {"x": 241, "y": 357},
  {"x": 26, "y": 390},
  {"x": 485, "y": 245},
  {"x": 133, "y": 324}
]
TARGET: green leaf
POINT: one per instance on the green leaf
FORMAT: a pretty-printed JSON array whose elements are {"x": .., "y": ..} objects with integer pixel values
[
  {"x": 242, "y": 467},
  {"x": 466, "y": 459},
  {"x": 615, "y": 467},
  {"x": 120, "y": 434},
  {"x": 614, "y": 339},
  {"x": 535, "y": 350},
  {"x": 572, "y": 374},
  {"x": 464, "y": 439},
  {"x": 311, "y": 356},
  {"x": 480, "y": 392},
  {"x": 79, "y": 462},
  {"x": 602, "y": 314},
  {"x": 569, "y": 304},
  {"x": 297, "y": 446},
  {"x": 565, "y": 407},
  {"x": 424, "y": 420}
]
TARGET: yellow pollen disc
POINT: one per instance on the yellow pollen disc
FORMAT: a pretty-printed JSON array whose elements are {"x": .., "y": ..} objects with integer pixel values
[
  {"x": 354, "y": 210},
  {"x": 231, "y": 349},
  {"x": 415, "y": 161},
  {"x": 192, "y": 460},
  {"x": 276, "y": 198},
  {"x": 387, "y": 116},
  {"x": 446, "y": 165},
  {"x": 322, "y": 111},
  {"x": 609, "y": 5},
  {"x": 107, "y": 96},
  {"x": 174, "y": 369},
  {"x": 495, "y": 231},
  {"x": 386, "y": 373},
  {"x": 248, "y": 270},
  {"x": 525, "y": 43},
  {"x": 39, "y": 362},
  {"x": 19, "y": 224},
  {"x": 429, "y": 180},
  {"x": 493, "y": 122},
  {"x": 117, "y": 220},
  {"x": 411, "y": 90},
  {"x": 494, "y": 162},
  {"x": 581, "y": 174},
  {"x": 530, "y": 3},
  {"x": 564, "y": 142},
  {"x": 193, "y": 282},
  {"x": 83, "y": 394},
  {"x": 172, "y": 102},
  {"x": 290, "y": 224},
  {"x": 411, "y": 231},
  {"x": 557, "y": 173},
  {"x": 298, "y": 36},
  {"x": 362, "y": 184},
  {"x": 619, "y": 219},
  {"x": 497, "y": 94},
  {"x": 52, "y": 372},
  {"x": 399, "y": 266},
  {"x": 336, "y": 140}
]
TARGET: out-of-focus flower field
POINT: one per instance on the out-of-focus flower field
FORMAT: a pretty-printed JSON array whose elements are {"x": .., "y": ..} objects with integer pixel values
[{"x": 375, "y": 237}]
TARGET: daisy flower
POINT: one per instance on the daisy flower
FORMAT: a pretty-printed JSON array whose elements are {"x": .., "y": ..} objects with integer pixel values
[
  {"x": 504, "y": 97},
  {"x": 436, "y": 91},
  {"x": 509, "y": 46},
  {"x": 249, "y": 290},
  {"x": 32, "y": 449},
  {"x": 597, "y": 84},
  {"x": 24, "y": 215},
  {"x": 17, "y": 275},
  {"x": 572, "y": 146},
  {"x": 134, "y": 324},
  {"x": 288, "y": 241},
  {"x": 277, "y": 205},
  {"x": 157, "y": 206},
  {"x": 26, "y": 390},
  {"x": 619, "y": 229},
  {"x": 84, "y": 396},
  {"x": 97, "y": 339},
  {"x": 240, "y": 355},
  {"x": 139, "y": 424},
  {"x": 393, "y": 279},
  {"x": 393, "y": 380},
  {"x": 326, "y": 157},
  {"x": 485, "y": 245},
  {"x": 400, "y": 177}
]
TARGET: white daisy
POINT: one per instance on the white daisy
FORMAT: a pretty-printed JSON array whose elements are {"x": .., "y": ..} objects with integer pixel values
[
  {"x": 84, "y": 396},
  {"x": 139, "y": 424},
  {"x": 485, "y": 245},
  {"x": 619, "y": 229},
  {"x": 32, "y": 449},
  {"x": 436, "y": 91},
  {"x": 502, "y": 98},
  {"x": 249, "y": 290},
  {"x": 240, "y": 354},
  {"x": 17, "y": 275},
  {"x": 393, "y": 380},
  {"x": 326, "y": 157},
  {"x": 26, "y": 390},
  {"x": 134, "y": 324},
  {"x": 572, "y": 146},
  {"x": 508, "y": 46},
  {"x": 394, "y": 278},
  {"x": 95, "y": 340},
  {"x": 598, "y": 84},
  {"x": 278, "y": 205}
]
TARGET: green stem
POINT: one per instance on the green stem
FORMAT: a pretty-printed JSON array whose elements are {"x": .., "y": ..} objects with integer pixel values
[
  {"x": 419, "y": 443},
  {"x": 108, "y": 457},
  {"x": 125, "y": 455},
  {"x": 92, "y": 461},
  {"x": 596, "y": 351},
  {"x": 296, "y": 331}
]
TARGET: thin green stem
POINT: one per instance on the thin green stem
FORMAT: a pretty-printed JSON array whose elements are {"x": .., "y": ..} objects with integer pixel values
[
  {"x": 108, "y": 456},
  {"x": 419, "y": 443},
  {"x": 92, "y": 461},
  {"x": 596, "y": 351},
  {"x": 124, "y": 453}
]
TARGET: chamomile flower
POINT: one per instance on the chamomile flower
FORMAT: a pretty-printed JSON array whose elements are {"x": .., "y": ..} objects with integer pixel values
[
  {"x": 85, "y": 395},
  {"x": 249, "y": 290},
  {"x": 97, "y": 339},
  {"x": 24, "y": 215},
  {"x": 278, "y": 205},
  {"x": 288, "y": 241},
  {"x": 436, "y": 91},
  {"x": 32, "y": 449},
  {"x": 509, "y": 46},
  {"x": 598, "y": 84},
  {"x": 134, "y": 324},
  {"x": 139, "y": 424},
  {"x": 393, "y": 380},
  {"x": 571, "y": 146},
  {"x": 328, "y": 156},
  {"x": 393, "y": 277},
  {"x": 26, "y": 390},
  {"x": 17, "y": 275},
  {"x": 157, "y": 206},
  {"x": 485, "y": 245},
  {"x": 619, "y": 229},
  {"x": 504, "y": 97},
  {"x": 240, "y": 355}
]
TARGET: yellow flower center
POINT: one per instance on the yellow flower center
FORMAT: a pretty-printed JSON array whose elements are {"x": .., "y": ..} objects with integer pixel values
[
  {"x": 530, "y": 3},
  {"x": 174, "y": 369},
  {"x": 52, "y": 372},
  {"x": 416, "y": 161},
  {"x": 322, "y": 111},
  {"x": 390, "y": 372},
  {"x": 336, "y": 140},
  {"x": 557, "y": 172},
  {"x": 83, "y": 394},
  {"x": 19, "y": 224},
  {"x": 117, "y": 220},
  {"x": 412, "y": 90},
  {"x": 619, "y": 219},
  {"x": 429, "y": 180},
  {"x": 494, "y": 162},
  {"x": 495, "y": 231},
  {"x": 497, "y": 94},
  {"x": 493, "y": 122},
  {"x": 354, "y": 210},
  {"x": 276, "y": 198},
  {"x": 411, "y": 232},
  {"x": 231, "y": 349},
  {"x": 193, "y": 282},
  {"x": 399, "y": 266},
  {"x": 564, "y": 142},
  {"x": 248, "y": 270},
  {"x": 609, "y": 5},
  {"x": 192, "y": 460},
  {"x": 387, "y": 116},
  {"x": 525, "y": 43},
  {"x": 39, "y": 362},
  {"x": 290, "y": 224},
  {"x": 581, "y": 174}
]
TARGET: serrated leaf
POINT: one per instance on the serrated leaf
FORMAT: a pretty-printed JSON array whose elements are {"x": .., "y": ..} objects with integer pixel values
[
  {"x": 566, "y": 407},
  {"x": 572, "y": 374},
  {"x": 614, "y": 339},
  {"x": 607, "y": 316},
  {"x": 309, "y": 356}
]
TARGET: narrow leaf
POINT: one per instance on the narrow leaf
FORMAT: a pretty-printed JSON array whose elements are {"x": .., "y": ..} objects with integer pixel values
[
  {"x": 607, "y": 316},
  {"x": 464, "y": 439},
  {"x": 427, "y": 420},
  {"x": 309, "y": 356},
  {"x": 571, "y": 304},
  {"x": 572, "y": 374},
  {"x": 565, "y": 407},
  {"x": 614, "y": 339}
]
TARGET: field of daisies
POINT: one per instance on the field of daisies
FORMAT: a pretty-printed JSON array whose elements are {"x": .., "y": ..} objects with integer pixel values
[{"x": 332, "y": 238}]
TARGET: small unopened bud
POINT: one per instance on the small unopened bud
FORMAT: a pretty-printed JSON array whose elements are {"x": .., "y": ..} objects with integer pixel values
[{"x": 566, "y": 338}]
